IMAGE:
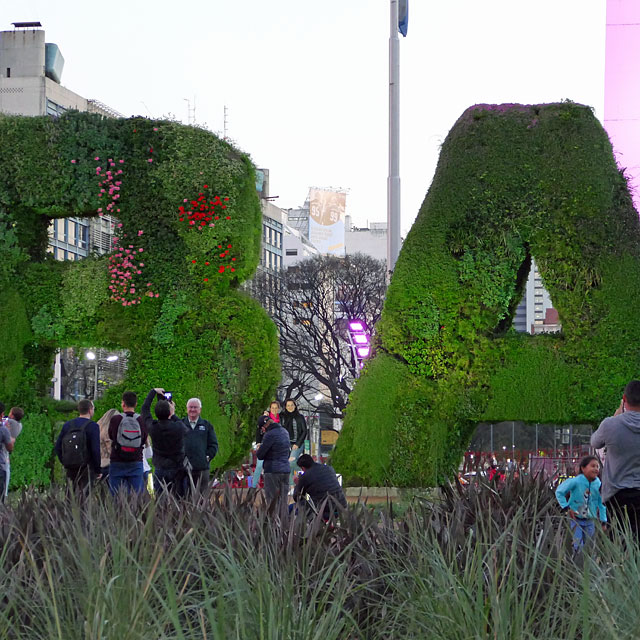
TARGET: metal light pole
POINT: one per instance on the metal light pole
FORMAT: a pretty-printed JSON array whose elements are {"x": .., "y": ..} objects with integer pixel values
[
  {"x": 393, "y": 181},
  {"x": 94, "y": 356}
]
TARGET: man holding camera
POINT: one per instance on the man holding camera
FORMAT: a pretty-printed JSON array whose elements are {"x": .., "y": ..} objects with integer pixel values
[
  {"x": 167, "y": 435},
  {"x": 620, "y": 435}
]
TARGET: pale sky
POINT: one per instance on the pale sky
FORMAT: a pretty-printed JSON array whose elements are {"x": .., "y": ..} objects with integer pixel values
[{"x": 306, "y": 81}]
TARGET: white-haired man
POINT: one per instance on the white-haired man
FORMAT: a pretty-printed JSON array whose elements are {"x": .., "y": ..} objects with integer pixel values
[{"x": 200, "y": 445}]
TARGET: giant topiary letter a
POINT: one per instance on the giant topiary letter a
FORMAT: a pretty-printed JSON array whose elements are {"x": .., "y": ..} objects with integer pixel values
[{"x": 513, "y": 182}]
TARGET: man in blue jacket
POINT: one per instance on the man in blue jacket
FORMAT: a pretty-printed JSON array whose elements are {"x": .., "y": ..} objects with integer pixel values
[
  {"x": 78, "y": 447},
  {"x": 275, "y": 450}
]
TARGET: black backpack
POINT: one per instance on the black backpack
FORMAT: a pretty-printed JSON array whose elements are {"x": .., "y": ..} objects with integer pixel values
[{"x": 75, "y": 449}]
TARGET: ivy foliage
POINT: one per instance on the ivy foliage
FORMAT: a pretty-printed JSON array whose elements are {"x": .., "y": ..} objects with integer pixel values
[
  {"x": 188, "y": 229},
  {"x": 513, "y": 182}
]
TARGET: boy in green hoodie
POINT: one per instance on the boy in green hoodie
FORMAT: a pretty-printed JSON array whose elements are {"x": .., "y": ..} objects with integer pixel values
[{"x": 584, "y": 503}]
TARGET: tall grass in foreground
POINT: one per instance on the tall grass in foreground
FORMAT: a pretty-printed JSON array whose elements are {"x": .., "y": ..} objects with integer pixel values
[{"x": 477, "y": 564}]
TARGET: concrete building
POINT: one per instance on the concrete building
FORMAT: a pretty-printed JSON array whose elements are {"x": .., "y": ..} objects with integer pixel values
[
  {"x": 30, "y": 76},
  {"x": 371, "y": 241},
  {"x": 535, "y": 313},
  {"x": 30, "y": 85}
]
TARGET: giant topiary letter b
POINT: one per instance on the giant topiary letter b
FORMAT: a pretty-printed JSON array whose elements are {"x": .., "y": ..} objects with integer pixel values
[{"x": 188, "y": 231}]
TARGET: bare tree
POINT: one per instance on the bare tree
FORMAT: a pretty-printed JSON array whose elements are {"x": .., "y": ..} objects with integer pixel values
[{"x": 311, "y": 304}]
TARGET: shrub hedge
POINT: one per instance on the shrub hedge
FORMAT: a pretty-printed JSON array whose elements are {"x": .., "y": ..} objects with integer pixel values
[
  {"x": 513, "y": 182},
  {"x": 189, "y": 234}
]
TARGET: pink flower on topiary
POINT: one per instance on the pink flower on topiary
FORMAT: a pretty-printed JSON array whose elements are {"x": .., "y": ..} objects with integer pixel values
[{"x": 73, "y": 162}]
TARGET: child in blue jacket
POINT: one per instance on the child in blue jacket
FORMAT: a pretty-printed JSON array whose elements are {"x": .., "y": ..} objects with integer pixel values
[{"x": 584, "y": 503}]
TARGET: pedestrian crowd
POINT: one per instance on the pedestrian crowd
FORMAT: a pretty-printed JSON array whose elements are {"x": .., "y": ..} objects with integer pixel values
[{"x": 118, "y": 447}]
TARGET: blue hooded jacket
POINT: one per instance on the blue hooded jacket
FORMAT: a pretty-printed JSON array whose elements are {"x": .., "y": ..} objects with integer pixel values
[
  {"x": 584, "y": 497},
  {"x": 275, "y": 449}
]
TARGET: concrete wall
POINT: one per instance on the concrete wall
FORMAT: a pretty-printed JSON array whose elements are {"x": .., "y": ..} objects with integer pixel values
[
  {"x": 23, "y": 52},
  {"x": 372, "y": 242}
]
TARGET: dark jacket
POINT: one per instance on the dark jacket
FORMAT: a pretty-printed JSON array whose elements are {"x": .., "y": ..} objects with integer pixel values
[
  {"x": 201, "y": 444},
  {"x": 319, "y": 481},
  {"x": 92, "y": 432},
  {"x": 275, "y": 450},
  {"x": 113, "y": 435},
  {"x": 296, "y": 425},
  {"x": 167, "y": 438}
]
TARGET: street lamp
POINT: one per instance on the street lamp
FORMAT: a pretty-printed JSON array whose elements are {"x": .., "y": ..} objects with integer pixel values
[
  {"x": 95, "y": 356},
  {"x": 359, "y": 341},
  {"x": 91, "y": 355}
]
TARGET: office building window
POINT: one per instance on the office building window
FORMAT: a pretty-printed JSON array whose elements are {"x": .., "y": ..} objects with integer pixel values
[
  {"x": 54, "y": 109},
  {"x": 60, "y": 230},
  {"x": 8, "y": 72},
  {"x": 292, "y": 252}
]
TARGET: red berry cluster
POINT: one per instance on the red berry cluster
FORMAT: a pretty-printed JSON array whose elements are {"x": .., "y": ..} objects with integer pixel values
[
  {"x": 202, "y": 212},
  {"x": 226, "y": 257}
]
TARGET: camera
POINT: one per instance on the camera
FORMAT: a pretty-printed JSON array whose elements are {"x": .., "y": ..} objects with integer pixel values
[{"x": 168, "y": 396}]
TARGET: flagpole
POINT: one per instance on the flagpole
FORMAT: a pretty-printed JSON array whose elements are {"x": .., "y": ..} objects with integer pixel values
[{"x": 393, "y": 181}]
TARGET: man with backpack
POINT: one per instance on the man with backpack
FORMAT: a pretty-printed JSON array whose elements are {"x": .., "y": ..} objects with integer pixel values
[
  {"x": 78, "y": 447},
  {"x": 128, "y": 435}
]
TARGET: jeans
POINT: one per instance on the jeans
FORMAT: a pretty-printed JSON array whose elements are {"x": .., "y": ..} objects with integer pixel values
[
  {"x": 293, "y": 458},
  {"x": 4, "y": 483},
  {"x": 126, "y": 474},
  {"x": 276, "y": 486},
  {"x": 81, "y": 477},
  {"x": 167, "y": 479},
  {"x": 582, "y": 528},
  {"x": 199, "y": 478},
  {"x": 255, "y": 479}
]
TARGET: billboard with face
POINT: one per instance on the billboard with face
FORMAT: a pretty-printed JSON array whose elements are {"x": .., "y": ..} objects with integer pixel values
[{"x": 326, "y": 220}]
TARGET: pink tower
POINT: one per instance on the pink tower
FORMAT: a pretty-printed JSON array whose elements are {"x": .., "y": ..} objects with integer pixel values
[{"x": 622, "y": 88}]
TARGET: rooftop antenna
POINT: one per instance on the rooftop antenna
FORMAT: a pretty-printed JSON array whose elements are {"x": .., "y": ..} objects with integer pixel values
[
  {"x": 191, "y": 112},
  {"x": 224, "y": 125}
]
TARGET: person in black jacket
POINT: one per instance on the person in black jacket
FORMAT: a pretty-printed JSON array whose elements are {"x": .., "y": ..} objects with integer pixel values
[
  {"x": 295, "y": 424},
  {"x": 201, "y": 446},
  {"x": 318, "y": 481},
  {"x": 83, "y": 475},
  {"x": 167, "y": 436},
  {"x": 275, "y": 450}
]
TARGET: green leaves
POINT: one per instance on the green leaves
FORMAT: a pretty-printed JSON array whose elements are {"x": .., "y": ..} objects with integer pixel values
[{"x": 514, "y": 182}]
